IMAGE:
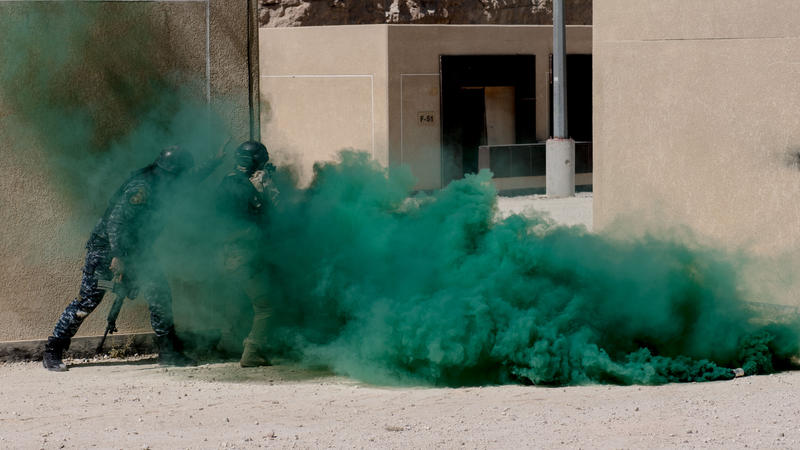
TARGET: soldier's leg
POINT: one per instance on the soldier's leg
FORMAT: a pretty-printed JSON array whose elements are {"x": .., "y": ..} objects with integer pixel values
[
  {"x": 234, "y": 309},
  {"x": 234, "y": 316},
  {"x": 95, "y": 268},
  {"x": 255, "y": 354},
  {"x": 155, "y": 289}
]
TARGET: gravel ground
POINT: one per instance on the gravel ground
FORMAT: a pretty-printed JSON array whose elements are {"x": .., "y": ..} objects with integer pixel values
[{"x": 137, "y": 404}]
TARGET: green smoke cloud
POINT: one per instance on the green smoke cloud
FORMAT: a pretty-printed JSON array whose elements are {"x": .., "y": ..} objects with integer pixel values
[
  {"x": 364, "y": 277},
  {"x": 387, "y": 287}
]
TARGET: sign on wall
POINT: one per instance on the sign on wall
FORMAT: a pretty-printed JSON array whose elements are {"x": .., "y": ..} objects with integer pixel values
[{"x": 426, "y": 118}]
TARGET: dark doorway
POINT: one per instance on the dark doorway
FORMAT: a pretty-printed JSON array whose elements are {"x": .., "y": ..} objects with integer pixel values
[
  {"x": 464, "y": 79},
  {"x": 470, "y": 113}
]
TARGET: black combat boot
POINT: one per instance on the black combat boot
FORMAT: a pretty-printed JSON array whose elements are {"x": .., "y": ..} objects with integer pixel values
[
  {"x": 169, "y": 352},
  {"x": 253, "y": 356},
  {"x": 54, "y": 353}
]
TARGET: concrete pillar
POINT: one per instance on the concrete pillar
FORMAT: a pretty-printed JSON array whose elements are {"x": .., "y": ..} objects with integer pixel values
[{"x": 560, "y": 175}]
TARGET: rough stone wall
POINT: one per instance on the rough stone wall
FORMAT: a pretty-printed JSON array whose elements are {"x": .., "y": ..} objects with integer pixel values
[{"x": 295, "y": 13}]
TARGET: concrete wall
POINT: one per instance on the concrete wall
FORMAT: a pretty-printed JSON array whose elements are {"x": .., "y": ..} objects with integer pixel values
[
  {"x": 414, "y": 52},
  {"x": 696, "y": 118},
  {"x": 40, "y": 254},
  {"x": 323, "y": 89}
]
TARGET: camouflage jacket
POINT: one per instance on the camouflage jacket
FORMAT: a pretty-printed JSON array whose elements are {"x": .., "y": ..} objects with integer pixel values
[
  {"x": 130, "y": 212},
  {"x": 131, "y": 222}
]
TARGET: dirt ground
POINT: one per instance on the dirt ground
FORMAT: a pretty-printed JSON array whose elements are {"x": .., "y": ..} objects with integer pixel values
[
  {"x": 138, "y": 404},
  {"x": 575, "y": 210}
]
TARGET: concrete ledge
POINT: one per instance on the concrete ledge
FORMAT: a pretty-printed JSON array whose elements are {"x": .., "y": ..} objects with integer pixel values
[{"x": 81, "y": 347}]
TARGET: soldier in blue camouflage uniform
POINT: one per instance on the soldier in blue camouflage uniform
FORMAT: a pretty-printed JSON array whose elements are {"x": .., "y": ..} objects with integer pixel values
[
  {"x": 119, "y": 248},
  {"x": 242, "y": 201}
]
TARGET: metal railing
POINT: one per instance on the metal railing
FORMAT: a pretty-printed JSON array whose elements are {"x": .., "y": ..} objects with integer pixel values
[{"x": 528, "y": 160}]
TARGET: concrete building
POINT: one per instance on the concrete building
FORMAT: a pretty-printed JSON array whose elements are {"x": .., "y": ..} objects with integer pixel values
[
  {"x": 105, "y": 47},
  {"x": 426, "y": 96},
  {"x": 696, "y": 118}
]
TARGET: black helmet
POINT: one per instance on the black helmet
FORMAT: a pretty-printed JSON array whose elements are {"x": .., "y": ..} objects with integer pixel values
[
  {"x": 175, "y": 160},
  {"x": 251, "y": 156}
]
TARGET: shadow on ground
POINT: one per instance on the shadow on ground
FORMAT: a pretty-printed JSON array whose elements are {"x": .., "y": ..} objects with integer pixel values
[{"x": 231, "y": 372}]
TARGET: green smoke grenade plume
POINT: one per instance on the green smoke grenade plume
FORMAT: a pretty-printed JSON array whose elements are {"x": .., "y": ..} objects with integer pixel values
[
  {"x": 388, "y": 288},
  {"x": 364, "y": 277}
]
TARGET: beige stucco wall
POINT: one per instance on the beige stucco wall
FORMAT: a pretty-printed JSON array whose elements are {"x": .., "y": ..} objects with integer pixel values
[
  {"x": 696, "y": 118},
  {"x": 41, "y": 254},
  {"x": 323, "y": 89}
]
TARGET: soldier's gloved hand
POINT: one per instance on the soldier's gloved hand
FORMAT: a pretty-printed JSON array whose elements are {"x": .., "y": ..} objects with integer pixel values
[
  {"x": 118, "y": 268},
  {"x": 257, "y": 180}
]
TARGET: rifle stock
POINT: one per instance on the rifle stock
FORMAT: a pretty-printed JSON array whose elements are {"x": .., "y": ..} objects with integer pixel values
[{"x": 121, "y": 292}]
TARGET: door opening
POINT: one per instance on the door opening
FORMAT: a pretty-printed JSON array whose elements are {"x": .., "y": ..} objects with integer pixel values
[{"x": 486, "y": 99}]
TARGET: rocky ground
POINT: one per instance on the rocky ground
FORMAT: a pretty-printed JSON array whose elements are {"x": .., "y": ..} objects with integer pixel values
[{"x": 138, "y": 404}]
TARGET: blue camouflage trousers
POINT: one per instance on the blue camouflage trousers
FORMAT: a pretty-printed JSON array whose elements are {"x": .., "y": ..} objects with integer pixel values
[{"x": 152, "y": 285}]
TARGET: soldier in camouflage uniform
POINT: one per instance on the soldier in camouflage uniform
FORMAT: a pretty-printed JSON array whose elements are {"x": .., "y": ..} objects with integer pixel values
[
  {"x": 242, "y": 201},
  {"x": 119, "y": 248}
]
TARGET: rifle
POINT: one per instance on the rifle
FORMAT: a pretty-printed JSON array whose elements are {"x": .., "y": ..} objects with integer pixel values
[{"x": 121, "y": 291}]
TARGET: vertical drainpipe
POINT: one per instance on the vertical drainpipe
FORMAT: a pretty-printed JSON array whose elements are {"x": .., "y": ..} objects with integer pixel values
[
  {"x": 560, "y": 166},
  {"x": 252, "y": 70},
  {"x": 559, "y": 71}
]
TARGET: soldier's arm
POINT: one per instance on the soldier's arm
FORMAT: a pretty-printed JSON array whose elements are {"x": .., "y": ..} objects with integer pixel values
[{"x": 202, "y": 171}]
